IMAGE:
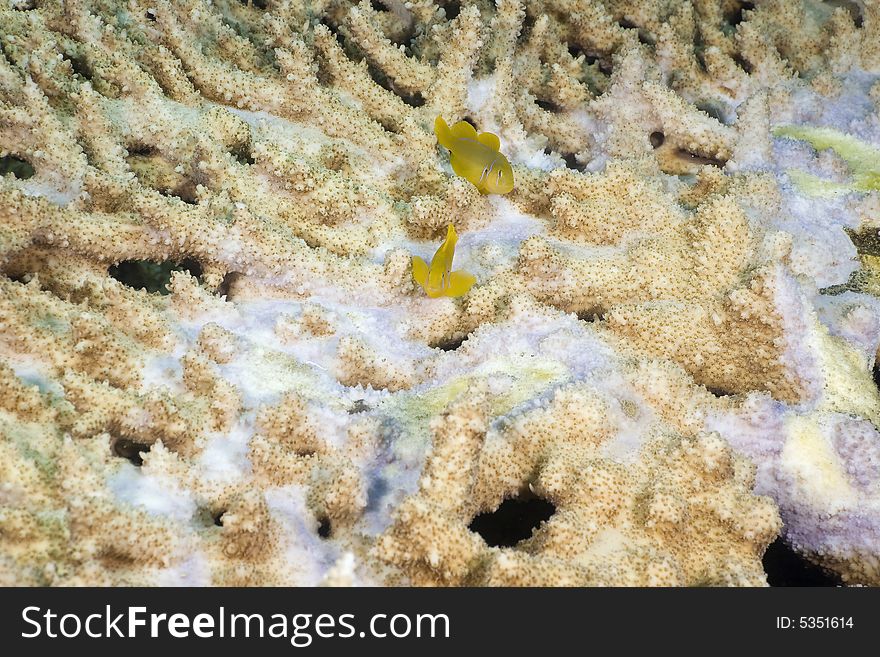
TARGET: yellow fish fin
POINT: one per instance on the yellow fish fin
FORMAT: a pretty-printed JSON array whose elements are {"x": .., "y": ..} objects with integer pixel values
[
  {"x": 444, "y": 135},
  {"x": 463, "y": 130},
  {"x": 420, "y": 271},
  {"x": 442, "y": 260},
  {"x": 460, "y": 283},
  {"x": 490, "y": 140},
  {"x": 459, "y": 165}
]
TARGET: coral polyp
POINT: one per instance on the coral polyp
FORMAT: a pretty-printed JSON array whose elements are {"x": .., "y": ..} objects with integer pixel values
[{"x": 227, "y": 356}]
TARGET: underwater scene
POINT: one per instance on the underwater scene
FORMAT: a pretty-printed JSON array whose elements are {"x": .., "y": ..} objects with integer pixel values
[{"x": 439, "y": 293}]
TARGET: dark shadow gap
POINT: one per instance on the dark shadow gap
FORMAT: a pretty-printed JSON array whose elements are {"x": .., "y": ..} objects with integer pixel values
[
  {"x": 699, "y": 159},
  {"x": 513, "y": 521},
  {"x": 452, "y": 9},
  {"x": 130, "y": 450},
  {"x": 21, "y": 169},
  {"x": 150, "y": 275},
  {"x": 571, "y": 162},
  {"x": 450, "y": 344},
  {"x": 785, "y": 567},
  {"x": 736, "y": 16},
  {"x": 218, "y": 518},
  {"x": 740, "y": 61},
  {"x": 591, "y": 315},
  {"x": 227, "y": 283},
  {"x": 359, "y": 406},
  {"x": 80, "y": 66},
  {"x": 657, "y": 138},
  {"x": 324, "y": 527},
  {"x": 548, "y": 105},
  {"x": 719, "y": 392}
]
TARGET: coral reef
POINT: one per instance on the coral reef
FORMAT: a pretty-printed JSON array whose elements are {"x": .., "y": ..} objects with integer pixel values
[{"x": 217, "y": 369}]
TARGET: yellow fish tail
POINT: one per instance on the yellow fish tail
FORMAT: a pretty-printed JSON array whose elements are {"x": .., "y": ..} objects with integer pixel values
[
  {"x": 444, "y": 134},
  {"x": 460, "y": 283},
  {"x": 420, "y": 270}
]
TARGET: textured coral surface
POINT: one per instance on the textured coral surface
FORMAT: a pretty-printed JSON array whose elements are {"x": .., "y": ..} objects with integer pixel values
[{"x": 670, "y": 341}]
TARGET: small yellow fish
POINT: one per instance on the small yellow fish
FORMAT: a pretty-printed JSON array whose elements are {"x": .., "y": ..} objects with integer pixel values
[
  {"x": 475, "y": 156},
  {"x": 439, "y": 280}
]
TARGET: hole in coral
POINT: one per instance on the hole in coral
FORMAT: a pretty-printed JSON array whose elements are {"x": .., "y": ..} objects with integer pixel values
[
  {"x": 21, "y": 169},
  {"x": 698, "y": 159},
  {"x": 452, "y": 8},
  {"x": 713, "y": 110},
  {"x": 80, "y": 66},
  {"x": 547, "y": 105},
  {"x": 736, "y": 16},
  {"x": 657, "y": 138},
  {"x": 152, "y": 276},
  {"x": 130, "y": 450},
  {"x": 591, "y": 315},
  {"x": 571, "y": 162},
  {"x": 150, "y": 14},
  {"x": 450, "y": 344},
  {"x": 855, "y": 11},
  {"x": 719, "y": 392},
  {"x": 242, "y": 153},
  {"x": 141, "y": 150},
  {"x": 359, "y": 406},
  {"x": 643, "y": 35},
  {"x": 513, "y": 521},
  {"x": 740, "y": 61},
  {"x": 785, "y": 567},
  {"x": 378, "y": 5},
  {"x": 324, "y": 528},
  {"x": 256, "y": 4},
  {"x": 414, "y": 99},
  {"x": 218, "y": 518},
  {"x": 226, "y": 284}
]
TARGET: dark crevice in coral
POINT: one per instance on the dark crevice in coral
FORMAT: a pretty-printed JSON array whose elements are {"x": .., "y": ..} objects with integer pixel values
[
  {"x": 378, "y": 5},
  {"x": 740, "y": 61},
  {"x": 227, "y": 283},
  {"x": 152, "y": 276},
  {"x": 736, "y": 16},
  {"x": 854, "y": 9},
  {"x": 141, "y": 150},
  {"x": 21, "y": 169},
  {"x": 256, "y": 4},
  {"x": 359, "y": 406},
  {"x": 452, "y": 8},
  {"x": 80, "y": 66},
  {"x": 657, "y": 138},
  {"x": 130, "y": 450},
  {"x": 450, "y": 344},
  {"x": 591, "y": 315},
  {"x": 571, "y": 162},
  {"x": 150, "y": 14},
  {"x": 875, "y": 373},
  {"x": 785, "y": 567},
  {"x": 242, "y": 153},
  {"x": 324, "y": 527},
  {"x": 699, "y": 159},
  {"x": 413, "y": 100},
  {"x": 719, "y": 392},
  {"x": 513, "y": 521},
  {"x": 547, "y": 105},
  {"x": 644, "y": 36},
  {"x": 218, "y": 518},
  {"x": 713, "y": 110}
]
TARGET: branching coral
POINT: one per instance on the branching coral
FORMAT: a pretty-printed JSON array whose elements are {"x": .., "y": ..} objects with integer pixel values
[{"x": 668, "y": 340}]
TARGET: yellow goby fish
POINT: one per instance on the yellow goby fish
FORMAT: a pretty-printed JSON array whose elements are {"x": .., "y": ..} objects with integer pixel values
[
  {"x": 438, "y": 279},
  {"x": 475, "y": 156}
]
